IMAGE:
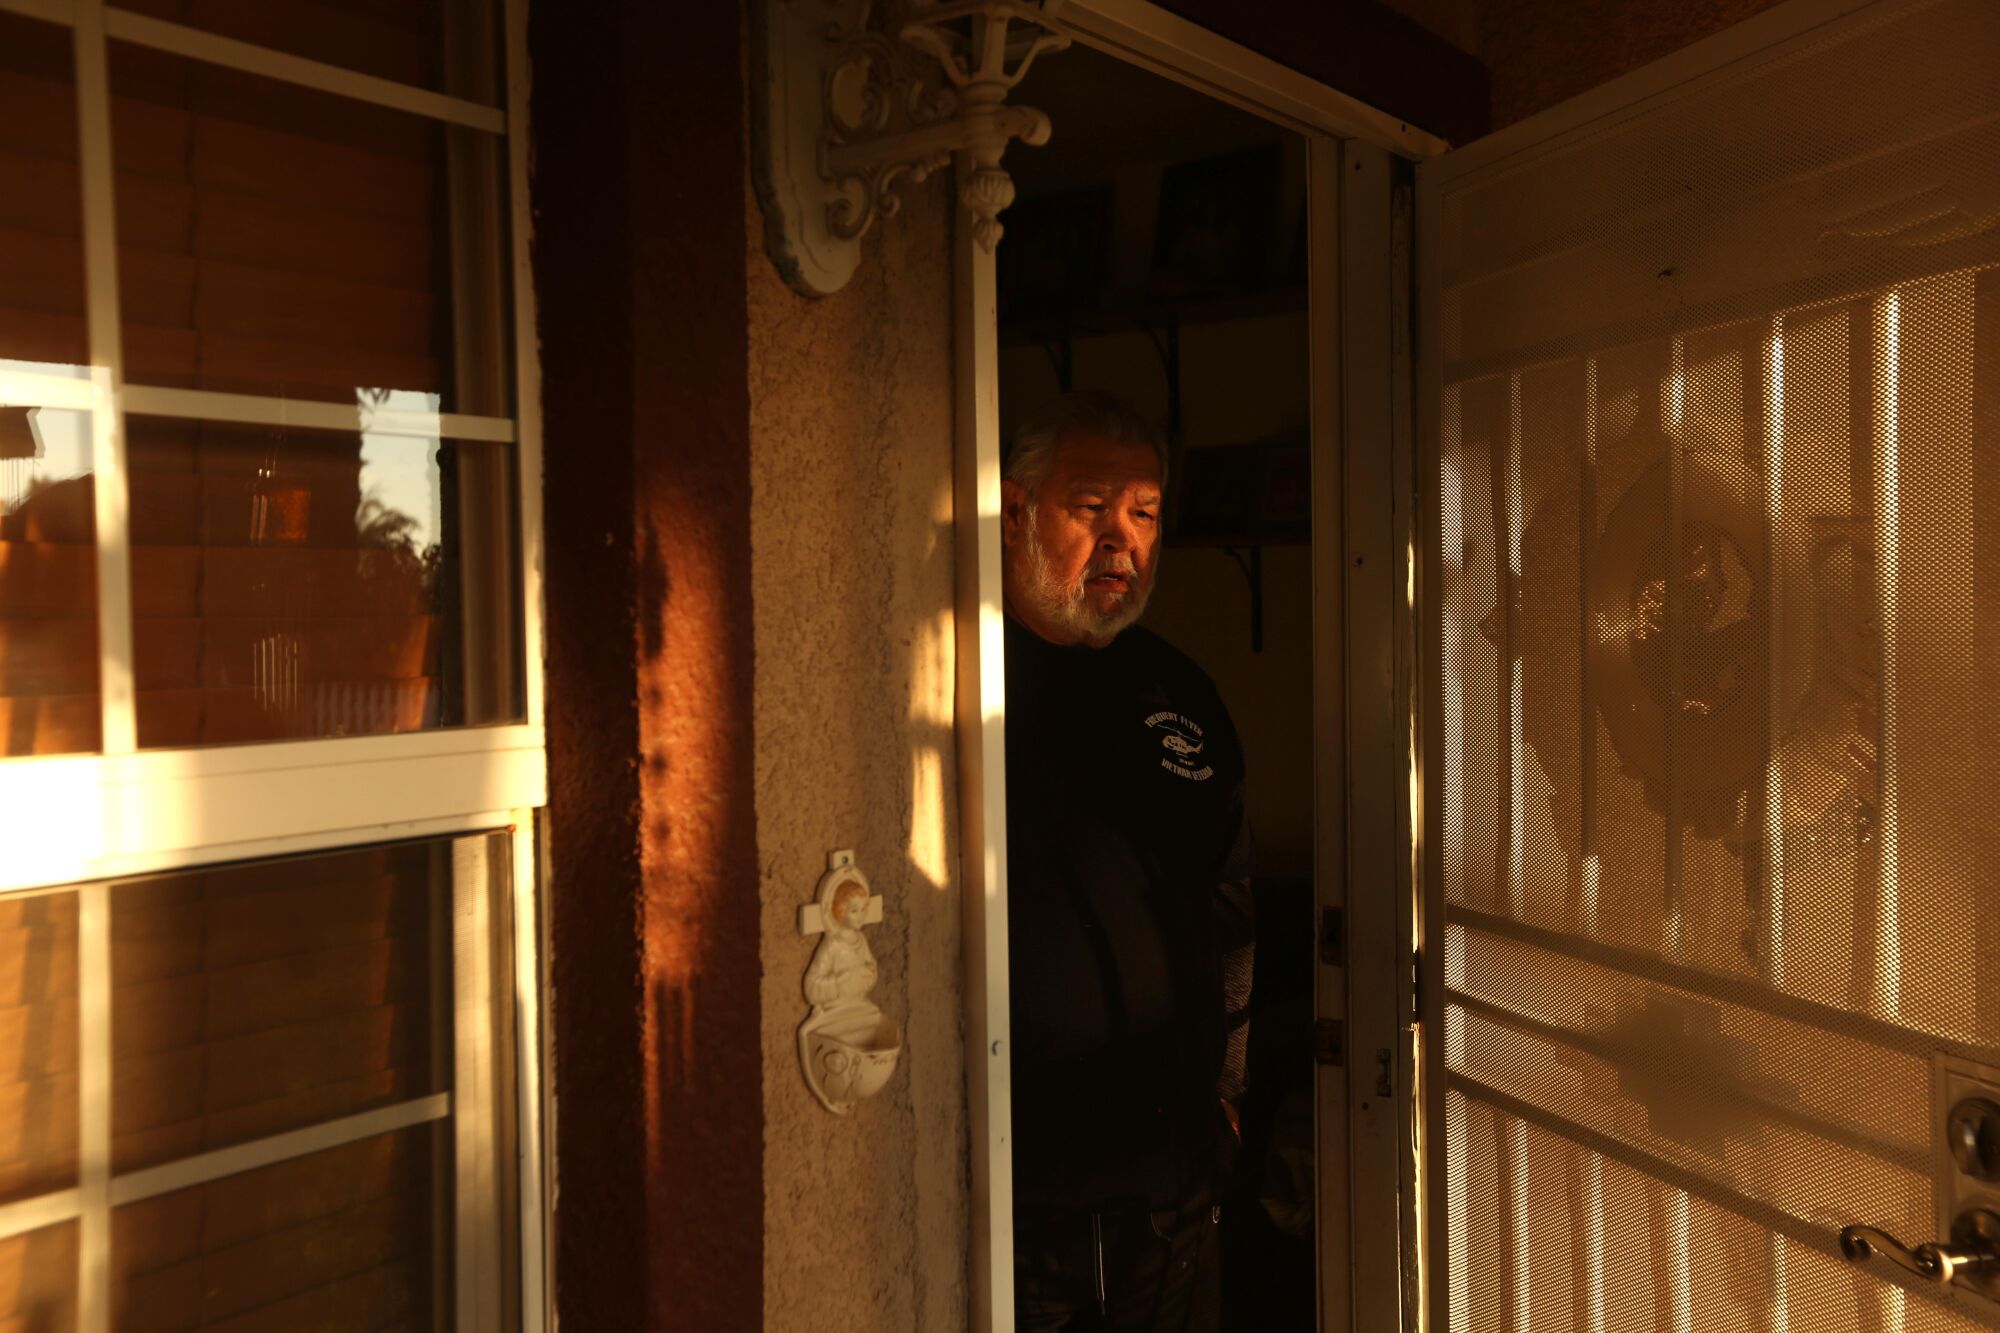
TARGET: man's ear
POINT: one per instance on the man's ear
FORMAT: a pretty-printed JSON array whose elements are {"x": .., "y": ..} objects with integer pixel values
[{"x": 1013, "y": 511}]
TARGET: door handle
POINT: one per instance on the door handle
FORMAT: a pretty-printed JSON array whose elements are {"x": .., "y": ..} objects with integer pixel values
[{"x": 1971, "y": 1256}]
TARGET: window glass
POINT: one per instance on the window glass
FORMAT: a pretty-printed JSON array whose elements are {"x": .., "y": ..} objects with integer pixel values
[
  {"x": 48, "y": 582},
  {"x": 288, "y": 243},
  {"x": 351, "y": 1238},
  {"x": 48, "y": 560},
  {"x": 294, "y": 584},
  {"x": 447, "y": 46},
  {"x": 329, "y": 998},
  {"x": 38, "y": 1280},
  {"x": 41, "y": 208},
  {"x": 256, "y": 999},
  {"x": 38, "y": 1048}
]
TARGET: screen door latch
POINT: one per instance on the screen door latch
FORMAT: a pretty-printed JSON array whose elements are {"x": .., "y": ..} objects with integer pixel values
[{"x": 1971, "y": 1257}]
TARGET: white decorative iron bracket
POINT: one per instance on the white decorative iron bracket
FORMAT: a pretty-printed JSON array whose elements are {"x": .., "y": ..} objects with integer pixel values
[{"x": 859, "y": 94}]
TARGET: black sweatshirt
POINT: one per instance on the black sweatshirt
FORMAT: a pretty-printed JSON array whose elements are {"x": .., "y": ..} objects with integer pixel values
[{"x": 1129, "y": 922}]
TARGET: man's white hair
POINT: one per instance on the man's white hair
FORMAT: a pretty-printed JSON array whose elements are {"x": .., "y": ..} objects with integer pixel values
[{"x": 1086, "y": 412}]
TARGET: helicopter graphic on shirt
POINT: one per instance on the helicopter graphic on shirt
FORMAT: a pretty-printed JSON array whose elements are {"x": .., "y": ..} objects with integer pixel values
[{"x": 1181, "y": 738}]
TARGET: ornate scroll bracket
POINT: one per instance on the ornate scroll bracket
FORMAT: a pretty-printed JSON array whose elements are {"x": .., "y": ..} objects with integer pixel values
[{"x": 859, "y": 95}]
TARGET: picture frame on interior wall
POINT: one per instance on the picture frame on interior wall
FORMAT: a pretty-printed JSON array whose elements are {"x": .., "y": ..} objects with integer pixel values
[
  {"x": 1056, "y": 258},
  {"x": 1212, "y": 232}
]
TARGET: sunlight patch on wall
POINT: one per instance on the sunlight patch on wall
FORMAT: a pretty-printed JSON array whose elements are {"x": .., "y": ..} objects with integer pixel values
[{"x": 931, "y": 688}]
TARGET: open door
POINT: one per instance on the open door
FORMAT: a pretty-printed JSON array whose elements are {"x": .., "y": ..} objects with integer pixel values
[{"x": 1709, "y": 467}]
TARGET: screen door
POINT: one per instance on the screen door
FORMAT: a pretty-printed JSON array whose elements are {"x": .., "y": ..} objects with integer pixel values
[{"x": 1711, "y": 455}]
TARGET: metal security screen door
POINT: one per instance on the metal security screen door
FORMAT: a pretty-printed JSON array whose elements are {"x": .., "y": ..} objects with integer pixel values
[{"x": 1711, "y": 596}]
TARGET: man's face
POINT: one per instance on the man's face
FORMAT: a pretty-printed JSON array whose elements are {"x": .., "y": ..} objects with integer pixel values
[{"x": 1080, "y": 551}]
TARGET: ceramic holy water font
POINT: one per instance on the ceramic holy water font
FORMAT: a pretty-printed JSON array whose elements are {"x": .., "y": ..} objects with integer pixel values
[{"x": 847, "y": 1047}]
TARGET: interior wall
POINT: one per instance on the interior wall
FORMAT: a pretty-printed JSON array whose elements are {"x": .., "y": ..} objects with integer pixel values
[
  {"x": 1202, "y": 607},
  {"x": 851, "y": 567}
]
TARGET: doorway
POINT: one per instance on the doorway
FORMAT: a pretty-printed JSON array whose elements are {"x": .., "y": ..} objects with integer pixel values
[
  {"x": 1355, "y": 165},
  {"x": 1157, "y": 251}
]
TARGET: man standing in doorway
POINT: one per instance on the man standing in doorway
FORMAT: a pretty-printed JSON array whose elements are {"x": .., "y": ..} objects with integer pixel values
[{"x": 1129, "y": 919}]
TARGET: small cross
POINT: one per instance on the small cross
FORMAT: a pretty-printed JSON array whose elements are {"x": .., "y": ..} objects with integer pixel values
[{"x": 812, "y": 921}]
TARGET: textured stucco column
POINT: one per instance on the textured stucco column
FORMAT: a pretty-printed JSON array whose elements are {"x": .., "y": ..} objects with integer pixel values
[
  {"x": 639, "y": 142},
  {"x": 851, "y": 471}
]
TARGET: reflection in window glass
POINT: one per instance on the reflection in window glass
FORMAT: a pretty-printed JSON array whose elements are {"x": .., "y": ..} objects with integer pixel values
[
  {"x": 448, "y": 46},
  {"x": 297, "y": 584},
  {"x": 38, "y": 1049},
  {"x": 41, "y": 211},
  {"x": 283, "y": 242},
  {"x": 331, "y": 997},
  {"x": 351, "y": 1238},
  {"x": 38, "y": 1280},
  {"x": 48, "y": 579},
  {"x": 48, "y": 582},
  {"x": 260, "y": 998}
]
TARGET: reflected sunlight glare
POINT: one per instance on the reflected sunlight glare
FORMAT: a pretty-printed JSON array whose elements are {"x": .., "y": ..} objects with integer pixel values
[{"x": 394, "y": 476}]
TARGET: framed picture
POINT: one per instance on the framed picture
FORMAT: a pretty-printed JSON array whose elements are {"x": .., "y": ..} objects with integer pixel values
[
  {"x": 1213, "y": 233},
  {"x": 1052, "y": 263},
  {"x": 1245, "y": 492}
]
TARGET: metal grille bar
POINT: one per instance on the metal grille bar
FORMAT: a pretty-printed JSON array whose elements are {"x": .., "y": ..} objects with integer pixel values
[
  {"x": 1747, "y": 991},
  {"x": 1908, "y": 1156},
  {"x": 1691, "y": 1183}
]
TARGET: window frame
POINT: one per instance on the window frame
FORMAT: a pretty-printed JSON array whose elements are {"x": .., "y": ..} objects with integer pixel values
[{"x": 84, "y": 820}]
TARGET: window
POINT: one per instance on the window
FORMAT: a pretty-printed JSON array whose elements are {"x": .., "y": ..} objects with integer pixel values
[{"x": 270, "y": 709}]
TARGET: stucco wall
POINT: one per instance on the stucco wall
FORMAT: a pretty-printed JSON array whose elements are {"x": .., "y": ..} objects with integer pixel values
[
  {"x": 652, "y": 917},
  {"x": 851, "y": 457}
]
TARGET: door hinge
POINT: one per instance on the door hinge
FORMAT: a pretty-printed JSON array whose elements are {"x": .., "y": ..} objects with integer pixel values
[
  {"x": 1330, "y": 1042},
  {"x": 1333, "y": 936}
]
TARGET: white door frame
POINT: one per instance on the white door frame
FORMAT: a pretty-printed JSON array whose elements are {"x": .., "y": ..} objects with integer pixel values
[{"x": 1355, "y": 337}]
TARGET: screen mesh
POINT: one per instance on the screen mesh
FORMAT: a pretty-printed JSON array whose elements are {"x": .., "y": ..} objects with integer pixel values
[{"x": 1718, "y": 530}]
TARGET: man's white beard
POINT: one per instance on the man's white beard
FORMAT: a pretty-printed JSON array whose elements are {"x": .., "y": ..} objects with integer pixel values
[{"x": 1068, "y": 607}]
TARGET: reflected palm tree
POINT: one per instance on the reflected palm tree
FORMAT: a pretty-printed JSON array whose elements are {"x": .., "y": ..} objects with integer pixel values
[{"x": 378, "y": 525}]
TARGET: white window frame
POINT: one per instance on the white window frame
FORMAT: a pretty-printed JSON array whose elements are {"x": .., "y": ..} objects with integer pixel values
[
  {"x": 1353, "y": 339},
  {"x": 84, "y": 819}
]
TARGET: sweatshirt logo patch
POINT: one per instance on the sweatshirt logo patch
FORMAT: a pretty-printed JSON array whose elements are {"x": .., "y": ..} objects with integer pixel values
[{"x": 1181, "y": 738}]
